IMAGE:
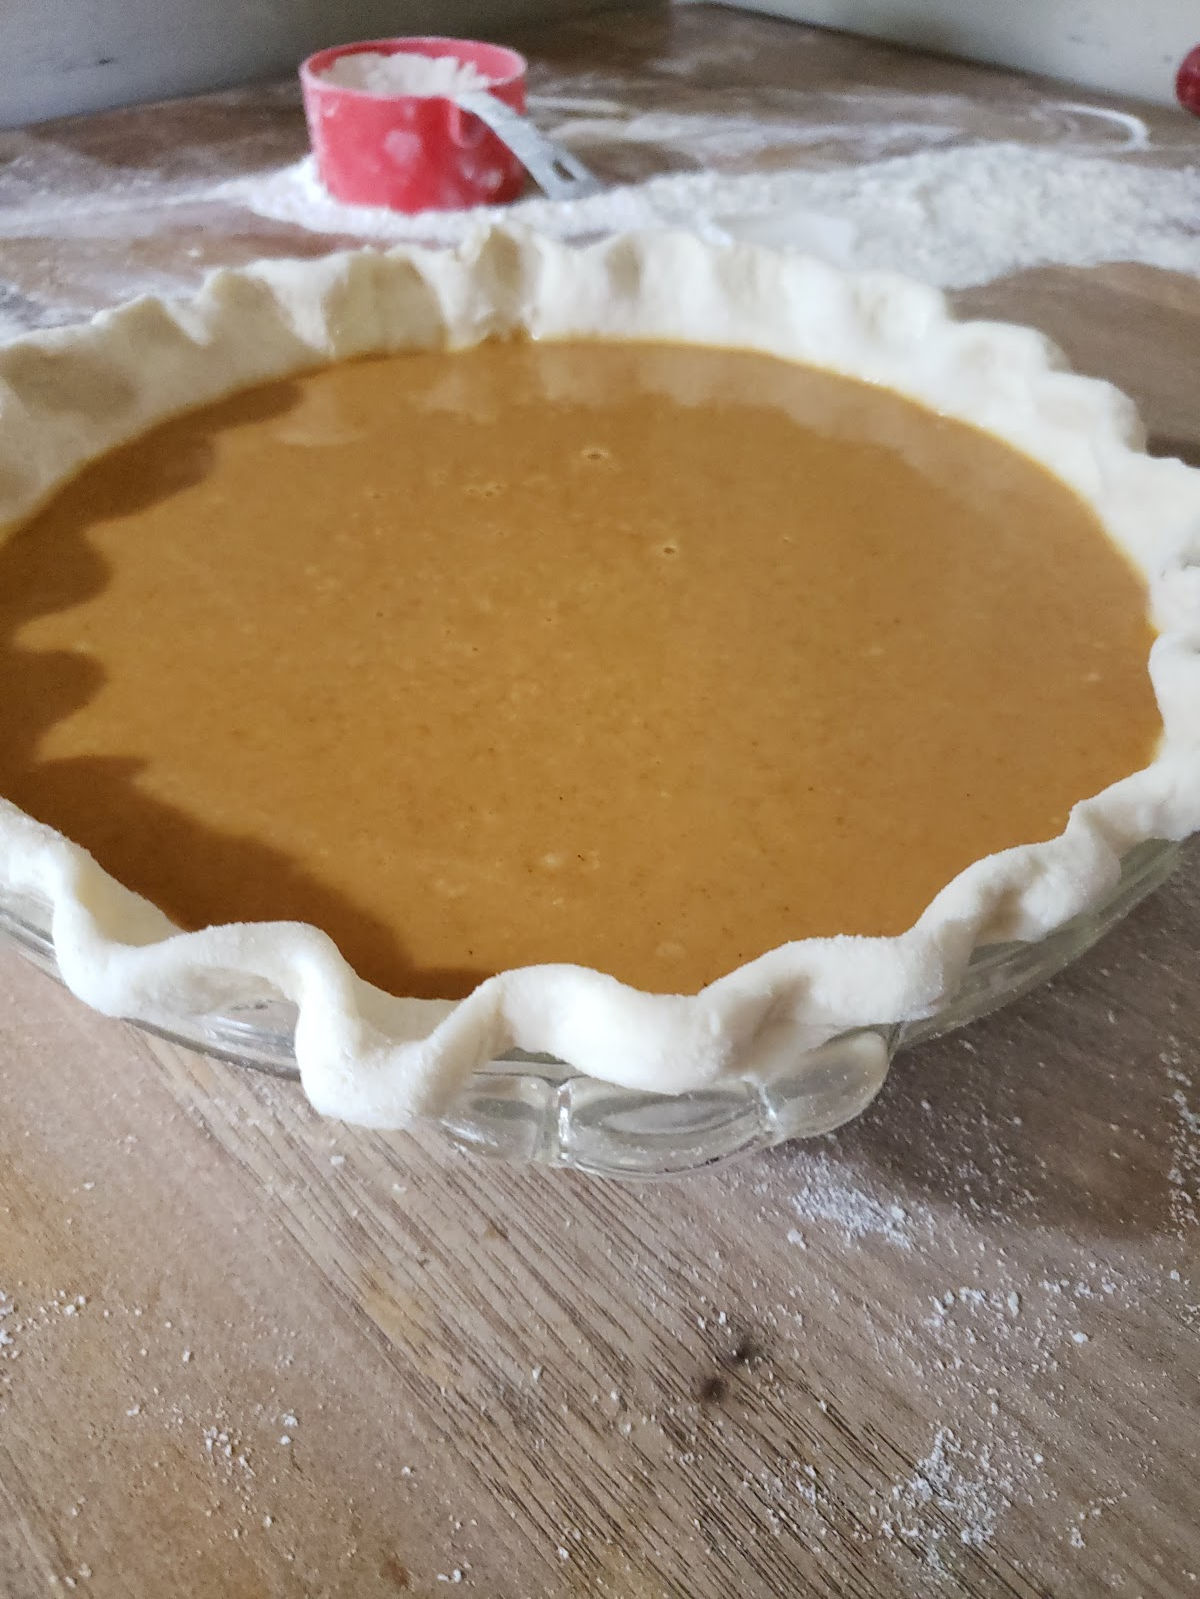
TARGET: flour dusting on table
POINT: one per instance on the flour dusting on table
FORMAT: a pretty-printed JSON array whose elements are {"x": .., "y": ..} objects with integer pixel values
[
  {"x": 949, "y": 188},
  {"x": 1020, "y": 1329},
  {"x": 957, "y": 215}
]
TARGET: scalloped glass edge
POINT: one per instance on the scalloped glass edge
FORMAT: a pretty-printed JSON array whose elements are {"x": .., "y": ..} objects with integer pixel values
[{"x": 531, "y": 1108}]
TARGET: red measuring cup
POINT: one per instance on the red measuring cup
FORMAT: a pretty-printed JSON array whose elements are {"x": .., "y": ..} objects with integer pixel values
[{"x": 410, "y": 152}]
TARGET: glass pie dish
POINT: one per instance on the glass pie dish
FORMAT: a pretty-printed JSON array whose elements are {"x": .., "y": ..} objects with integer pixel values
[
  {"x": 703, "y": 1076},
  {"x": 536, "y": 1108}
]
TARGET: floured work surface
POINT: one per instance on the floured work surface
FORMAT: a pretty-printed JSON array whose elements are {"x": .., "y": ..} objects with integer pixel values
[{"x": 950, "y": 1350}]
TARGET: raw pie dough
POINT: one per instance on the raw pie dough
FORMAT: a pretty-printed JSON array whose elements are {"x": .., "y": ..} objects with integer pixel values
[{"x": 375, "y": 1059}]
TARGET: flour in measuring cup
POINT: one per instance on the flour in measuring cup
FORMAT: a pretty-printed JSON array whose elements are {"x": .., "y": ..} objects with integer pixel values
[{"x": 403, "y": 72}]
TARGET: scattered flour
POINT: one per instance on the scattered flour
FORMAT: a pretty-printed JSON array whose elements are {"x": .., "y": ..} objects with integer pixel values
[
  {"x": 18, "y": 1322},
  {"x": 8, "y": 1343},
  {"x": 405, "y": 73},
  {"x": 824, "y": 1195},
  {"x": 963, "y": 1352},
  {"x": 1184, "y": 1173},
  {"x": 1001, "y": 1353},
  {"x": 963, "y": 1485},
  {"x": 936, "y": 186},
  {"x": 956, "y": 216},
  {"x": 699, "y": 138}
]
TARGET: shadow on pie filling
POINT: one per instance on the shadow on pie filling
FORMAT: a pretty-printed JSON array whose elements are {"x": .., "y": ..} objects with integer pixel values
[{"x": 646, "y": 657}]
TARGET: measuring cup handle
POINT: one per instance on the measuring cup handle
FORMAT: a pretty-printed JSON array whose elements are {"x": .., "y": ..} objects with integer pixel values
[{"x": 559, "y": 174}]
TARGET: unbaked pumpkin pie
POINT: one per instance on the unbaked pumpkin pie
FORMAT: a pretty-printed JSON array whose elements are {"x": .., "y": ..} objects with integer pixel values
[{"x": 641, "y": 647}]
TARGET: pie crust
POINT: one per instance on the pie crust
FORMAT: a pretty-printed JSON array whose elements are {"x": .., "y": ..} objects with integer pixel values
[{"x": 69, "y": 395}]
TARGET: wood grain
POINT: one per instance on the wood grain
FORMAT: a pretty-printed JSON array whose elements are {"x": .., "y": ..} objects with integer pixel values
[{"x": 951, "y": 1349}]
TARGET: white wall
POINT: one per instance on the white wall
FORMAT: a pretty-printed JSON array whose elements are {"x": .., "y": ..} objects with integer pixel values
[
  {"x": 1126, "y": 46},
  {"x": 61, "y": 56}
]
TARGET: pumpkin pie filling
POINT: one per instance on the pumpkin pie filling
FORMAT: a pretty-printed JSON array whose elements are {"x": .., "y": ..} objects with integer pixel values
[{"x": 644, "y": 657}]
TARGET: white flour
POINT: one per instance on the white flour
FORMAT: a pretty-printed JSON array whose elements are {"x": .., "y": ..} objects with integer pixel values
[
  {"x": 1005, "y": 1347},
  {"x": 824, "y": 1195},
  {"x": 956, "y": 216},
  {"x": 404, "y": 73},
  {"x": 953, "y": 190},
  {"x": 7, "y": 1342},
  {"x": 1184, "y": 1175}
]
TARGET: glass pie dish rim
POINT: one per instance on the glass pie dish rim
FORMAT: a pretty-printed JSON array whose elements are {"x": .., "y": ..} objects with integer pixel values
[{"x": 538, "y": 1109}]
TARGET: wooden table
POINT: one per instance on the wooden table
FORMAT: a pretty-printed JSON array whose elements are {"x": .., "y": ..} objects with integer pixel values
[{"x": 952, "y": 1349}]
